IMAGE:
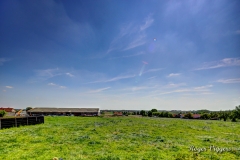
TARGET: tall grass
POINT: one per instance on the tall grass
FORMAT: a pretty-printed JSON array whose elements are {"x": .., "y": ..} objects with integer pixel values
[{"x": 120, "y": 138}]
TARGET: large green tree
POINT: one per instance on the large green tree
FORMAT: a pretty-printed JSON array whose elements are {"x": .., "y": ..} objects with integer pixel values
[
  {"x": 154, "y": 110},
  {"x": 28, "y": 108},
  {"x": 143, "y": 113}
]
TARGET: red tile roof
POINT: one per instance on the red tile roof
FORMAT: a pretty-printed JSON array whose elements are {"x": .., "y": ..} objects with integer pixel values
[{"x": 7, "y": 109}]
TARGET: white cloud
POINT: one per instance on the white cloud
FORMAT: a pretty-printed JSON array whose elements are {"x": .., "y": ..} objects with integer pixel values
[
  {"x": 58, "y": 86},
  {"x": 203, "y": 87},
  {"x": 143, "y": 88},
  {"x": 174, "y": 85},
  {"x": 173, "y": 74},
  {"x": 238, "y": 32},
  {"x": 51, "y": 84},
  {"x": 10, "y": 87},
  {"x": 226, "y": 62},
  {"x": 3, "y": 60},
  {"x": 69, "y": 74},
  {"x": 62, "y": 87},
  {"x": 176, "y": 91},
  {"x": 99, "y": 90},
  {"x": 236, "y": 80}
]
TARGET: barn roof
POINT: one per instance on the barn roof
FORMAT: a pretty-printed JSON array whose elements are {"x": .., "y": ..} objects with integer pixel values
[
  {"x": 7, "y": 109},
  {"x": 72, "y": 110}
]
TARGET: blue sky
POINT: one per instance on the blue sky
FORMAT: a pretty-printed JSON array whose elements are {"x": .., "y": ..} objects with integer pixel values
[{"x": 120, "y": 54}]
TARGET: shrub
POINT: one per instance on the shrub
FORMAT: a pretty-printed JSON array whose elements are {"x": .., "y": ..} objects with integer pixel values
[{"x": 2, "y": 113}]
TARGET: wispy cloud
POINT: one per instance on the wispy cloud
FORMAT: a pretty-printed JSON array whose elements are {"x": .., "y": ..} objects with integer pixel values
[
  {"x": 113, "y": 79},
  {"x": 45, "y": 74},
  {"x": 153, "y": 70},
  {"x": 131, "y": 55},
  {"x": 55, "y": 85},
  {"x": 173, "y": 74},
  {"x": 9, "y": 87},
  {"x": 69, "y": 74},
  {"x": 131, "y": 36},
  {"x": 176, "y": 91},
  {"x": 137, "y": 42},
  {"x": 174, "y": 85},
  {"x": 226, "y": 62},
  {"x": 99, "y": 90},
  {"x": 51, "y": 84},
  {"x": 3, "y": 60},
  {"x": 148, "y": 22},
  {"x": 196, "y": 90},
  {"x": 238, "y": 32},
  {"x": 203, "y": 88},
  {"x": 62, "y": 87},
  {"x": 236, "y": 80}
]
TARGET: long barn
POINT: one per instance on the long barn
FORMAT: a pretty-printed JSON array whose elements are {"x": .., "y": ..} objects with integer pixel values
[{"x": 64, "y": 111}]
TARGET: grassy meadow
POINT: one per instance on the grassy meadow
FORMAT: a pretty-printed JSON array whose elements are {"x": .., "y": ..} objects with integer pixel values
[{"x": 102, "y": 138}]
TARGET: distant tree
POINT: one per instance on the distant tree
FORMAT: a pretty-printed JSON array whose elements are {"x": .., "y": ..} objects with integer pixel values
[
  {"x": 154, "y": 110},
  {"x": 237, "y": 112},
  {"x": 205, "y": 116},
  {"x": 202, "y": 111},
  {"x": 2, "y": 113},
  {"x": 161, "y": 114},
  {"x": 28, "y": 108},
  {"x": 224, "y": 115},
  {"x": 214, "y": 115},
  {"x": 149, "y": 113},
  {"x": 156, "y": 114},
  {"x": 188, "y": 115},
  {"x": 170, "y": 115},
  {"x": 143, "y": 113}
]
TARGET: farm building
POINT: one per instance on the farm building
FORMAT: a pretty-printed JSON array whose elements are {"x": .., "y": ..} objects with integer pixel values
[
  {"x": 10, "y": 111},
  {"x": 117, "y": 113},
  {"x": 7, "y": 109},
  {"x": 64, "y": 111}
]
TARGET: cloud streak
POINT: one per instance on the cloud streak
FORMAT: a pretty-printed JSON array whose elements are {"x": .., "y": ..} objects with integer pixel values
[
  {"x": 173, "y": 75},
  {"x": 132, "y": 55},
  {"x": 9, "y": 87},
  {"x": 236, "y": 80},
  {"x": 58, "y": 86},
  {"x": 99, "y": 90},
  {"x": 132, "y": 35},
  {"x": 226, "y": 62},
  {"x": 113, "y": 79},
  {"x": 153, "y": 70}
]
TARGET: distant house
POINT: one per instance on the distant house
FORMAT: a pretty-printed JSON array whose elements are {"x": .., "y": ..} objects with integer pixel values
[
  {"x": 8, "y": 109},
  {"x": 64, "y": 111},
  {"x": 118, "y": 114},
  {"x": 196, "y": 116}
]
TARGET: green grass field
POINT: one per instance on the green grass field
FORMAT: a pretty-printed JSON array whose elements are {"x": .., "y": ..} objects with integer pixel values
[{"x": 115, "y": 138}]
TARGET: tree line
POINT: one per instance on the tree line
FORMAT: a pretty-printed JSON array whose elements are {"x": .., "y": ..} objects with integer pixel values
[{"x": 232, "y": 115}]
